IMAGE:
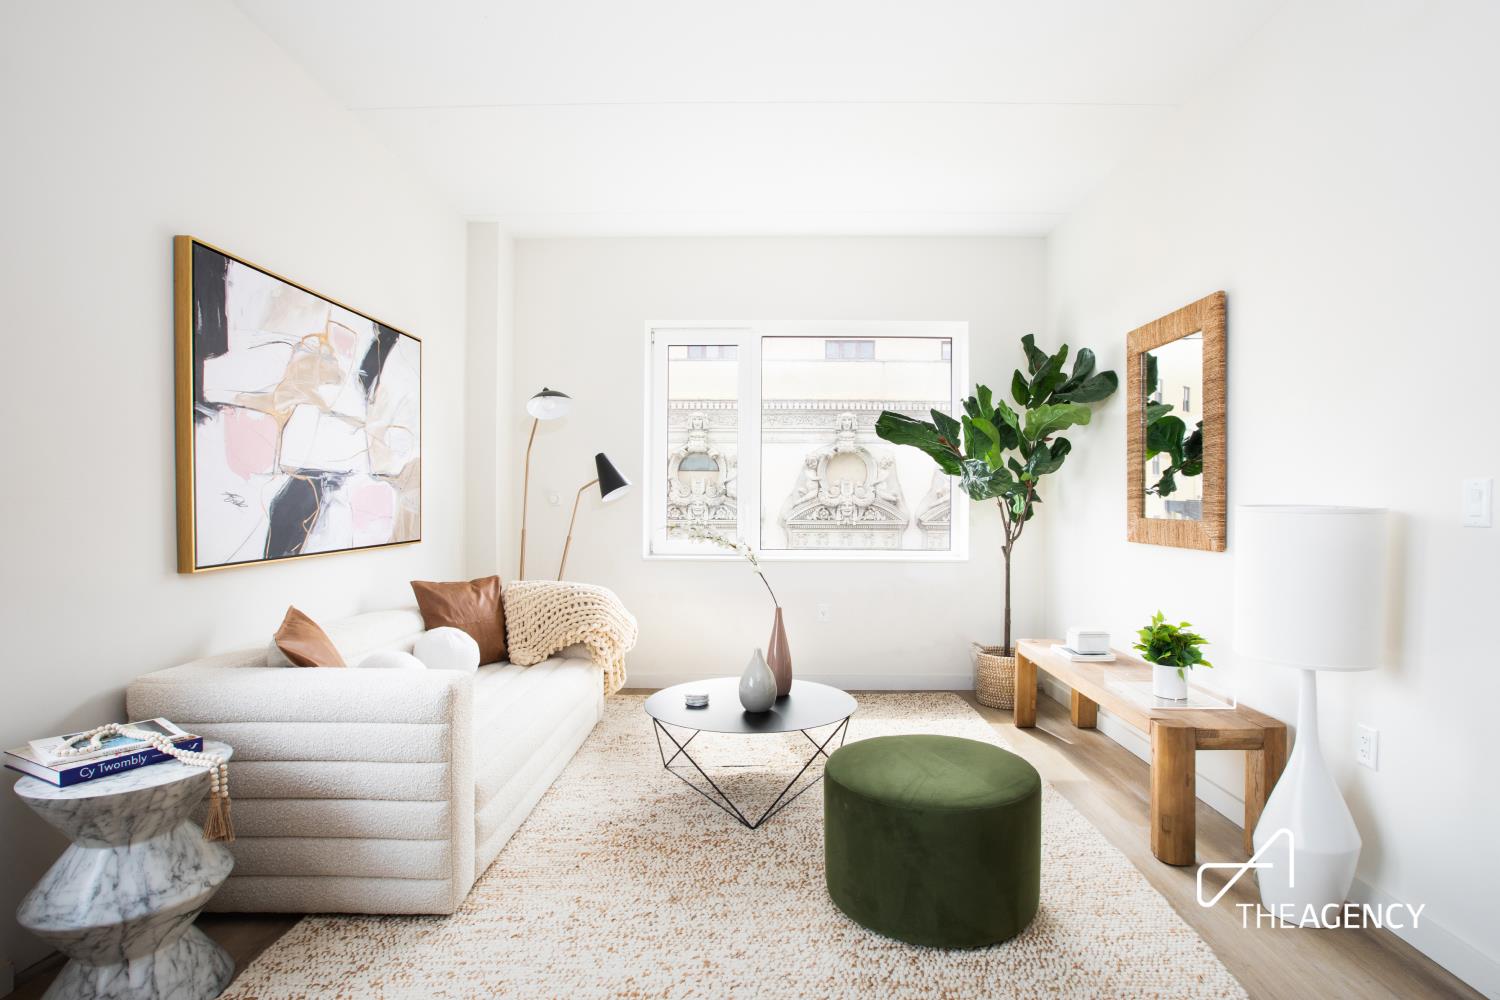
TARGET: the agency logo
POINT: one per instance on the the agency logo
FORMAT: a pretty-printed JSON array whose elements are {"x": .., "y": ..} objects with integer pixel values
[
  {"x": 1254, "y": 864},
  {"x": 1396, "y": 916}
]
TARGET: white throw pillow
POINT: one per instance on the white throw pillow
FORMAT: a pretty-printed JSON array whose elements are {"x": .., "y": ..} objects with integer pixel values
[
  {"x": 391, "y": 659},
  {"x": 448, "y": 648},
  {"x": 275, "y": 657}
]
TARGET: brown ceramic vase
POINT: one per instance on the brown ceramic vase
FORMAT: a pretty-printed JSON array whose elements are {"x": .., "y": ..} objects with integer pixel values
[{"x": 779, "y": 657}]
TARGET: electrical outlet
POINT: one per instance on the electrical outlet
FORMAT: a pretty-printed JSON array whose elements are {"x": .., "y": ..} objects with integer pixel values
[
  {"x": 825, "y": 613},
  {"x": 1367, "y": 747}
]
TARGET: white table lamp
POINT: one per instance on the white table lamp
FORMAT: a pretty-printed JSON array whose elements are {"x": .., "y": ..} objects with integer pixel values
[{"x": 1310, "y": 592}]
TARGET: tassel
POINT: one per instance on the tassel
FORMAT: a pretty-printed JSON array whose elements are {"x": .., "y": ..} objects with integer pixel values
[{"x": 219, "y": 825}]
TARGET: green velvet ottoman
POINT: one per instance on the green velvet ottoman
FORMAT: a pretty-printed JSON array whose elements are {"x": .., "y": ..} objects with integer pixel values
[{"x": 933, "y": 840}]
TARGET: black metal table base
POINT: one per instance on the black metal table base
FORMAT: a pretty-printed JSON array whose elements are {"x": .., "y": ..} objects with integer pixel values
[{"x": 722, "y": 800}]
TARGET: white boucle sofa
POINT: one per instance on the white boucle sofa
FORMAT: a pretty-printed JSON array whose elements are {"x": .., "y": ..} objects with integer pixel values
[{"x": 375, "y": 791}]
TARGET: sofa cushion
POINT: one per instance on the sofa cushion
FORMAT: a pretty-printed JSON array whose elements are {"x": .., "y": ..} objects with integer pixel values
[
  {"x": 304, "y": 643},
  {"x": 475, "y": 607},
  {"x": 517, "y": 708}
]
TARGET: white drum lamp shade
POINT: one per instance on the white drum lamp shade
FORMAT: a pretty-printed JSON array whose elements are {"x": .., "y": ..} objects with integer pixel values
[
  {"x": 549, "y": 404},
  {"x": 1310, "y": 591},
  {"x": 1310, "y": 585}
]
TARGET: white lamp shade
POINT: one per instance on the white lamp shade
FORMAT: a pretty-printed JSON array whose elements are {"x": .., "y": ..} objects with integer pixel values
[
  {"x": 1310, "y": 585},
  {"x": 549, "y": 404}
]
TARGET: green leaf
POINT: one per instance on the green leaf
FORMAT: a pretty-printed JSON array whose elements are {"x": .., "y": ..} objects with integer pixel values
[
  {"x": 977, "y": 441},
  {"x": 1192, "y": 449},
  {"x": 1048, "y": 377},
  {"x": 1053, "y": 417},
  {"x": 1083, "y": 365},
  {"x": 1035, "y": 356},
  {"x": 1020, "y": 391},
  {"x": 1155, "y": 411},
  {"x": 949, "y": 428},
  {"x": 1164, "y": 436},
  {"x": 986, "y": 400},
  {"x": 1150, "y": 374},
  {"x": 991, "y": 452},
  {"x": 1047, "y": 460},
  {"x": 898, "y": 428},
  {"x": 1091, "y": 390},
  {"x": 981, "y": 482},
  {"x": 1008, "y": 417}
]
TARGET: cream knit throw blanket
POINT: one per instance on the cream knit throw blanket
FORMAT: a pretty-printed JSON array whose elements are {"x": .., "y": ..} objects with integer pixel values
[{"x": 544, "y": 616}]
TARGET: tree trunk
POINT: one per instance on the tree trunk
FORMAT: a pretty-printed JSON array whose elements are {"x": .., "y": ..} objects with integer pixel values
[{"x": 1008, "y": 649}]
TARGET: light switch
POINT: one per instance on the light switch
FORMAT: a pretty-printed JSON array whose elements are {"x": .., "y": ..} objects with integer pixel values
[{"x": 1477, "y": 502}]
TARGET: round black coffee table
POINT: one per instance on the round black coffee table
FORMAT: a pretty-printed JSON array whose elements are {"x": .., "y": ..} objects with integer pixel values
[{"x": 809, "y": 706}]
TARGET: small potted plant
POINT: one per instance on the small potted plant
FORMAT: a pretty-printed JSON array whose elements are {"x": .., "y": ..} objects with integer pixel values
[{"x": 1172, "y": 651}]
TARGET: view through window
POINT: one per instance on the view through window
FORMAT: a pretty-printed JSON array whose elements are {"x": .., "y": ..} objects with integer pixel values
[{"x": 770, "y": 436}]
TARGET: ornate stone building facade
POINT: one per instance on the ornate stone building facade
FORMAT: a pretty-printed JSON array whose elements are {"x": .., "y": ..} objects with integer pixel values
[
  {"x": 701, "y": 486},
  {"x": 827, "y": 480}
]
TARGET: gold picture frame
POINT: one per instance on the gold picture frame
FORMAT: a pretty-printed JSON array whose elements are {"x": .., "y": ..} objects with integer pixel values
[
  {"x": 387, "y": 357},
  {"x": 1208, "y": 317}
]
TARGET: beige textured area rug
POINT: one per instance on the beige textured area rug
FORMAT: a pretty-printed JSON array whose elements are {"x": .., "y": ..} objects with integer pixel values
[{"x": 626, "y": 883}]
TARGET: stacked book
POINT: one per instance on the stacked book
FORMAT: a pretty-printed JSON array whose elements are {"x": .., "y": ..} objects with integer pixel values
[{"x": 115, "y": 754}]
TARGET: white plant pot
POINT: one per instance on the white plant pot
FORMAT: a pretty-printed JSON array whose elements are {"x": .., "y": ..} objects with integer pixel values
[{"x": 1167, "y": 683}]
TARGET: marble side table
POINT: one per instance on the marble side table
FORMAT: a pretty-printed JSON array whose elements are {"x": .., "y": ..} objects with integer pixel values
[{"x": 121, "y": 901}]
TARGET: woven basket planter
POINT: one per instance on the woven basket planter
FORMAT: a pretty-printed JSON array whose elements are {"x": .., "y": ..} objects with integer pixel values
[{"x": 994, "y": 677}]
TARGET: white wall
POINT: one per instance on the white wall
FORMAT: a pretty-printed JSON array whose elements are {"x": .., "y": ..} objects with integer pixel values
[
  {"x": 581, "y": 310},
  {"x": 1340, "y": 184},
  {"x": 125, "y": 124},
  {"x": 489, "y": 394}
]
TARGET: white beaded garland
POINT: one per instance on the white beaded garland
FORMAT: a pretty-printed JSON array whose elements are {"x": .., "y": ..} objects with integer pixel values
[{"x": 218, "y": 770}]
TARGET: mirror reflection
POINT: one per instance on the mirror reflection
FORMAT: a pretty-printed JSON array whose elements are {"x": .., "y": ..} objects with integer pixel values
[{"x": 1174, "y": 429}]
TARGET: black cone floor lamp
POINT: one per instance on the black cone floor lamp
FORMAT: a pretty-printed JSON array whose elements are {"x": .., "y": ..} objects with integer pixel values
[{"x": 611, "y": 485}]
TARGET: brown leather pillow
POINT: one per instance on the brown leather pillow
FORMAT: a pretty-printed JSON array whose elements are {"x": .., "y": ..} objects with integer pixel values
[
  {"x": 304, "y": 644},
  {"x": 475, "y": 607}
]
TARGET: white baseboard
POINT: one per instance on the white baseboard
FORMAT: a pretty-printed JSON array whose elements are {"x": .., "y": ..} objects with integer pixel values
[
  {"x": 849, "y": 682},
  {"x": 1432, "y": 939}
]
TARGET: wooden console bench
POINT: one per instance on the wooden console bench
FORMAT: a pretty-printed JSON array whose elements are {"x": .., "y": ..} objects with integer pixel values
[{"x": 1175, "y": 735}]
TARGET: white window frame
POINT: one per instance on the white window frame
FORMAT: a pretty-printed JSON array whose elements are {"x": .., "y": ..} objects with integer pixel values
[{"x": 747, "y": 336}]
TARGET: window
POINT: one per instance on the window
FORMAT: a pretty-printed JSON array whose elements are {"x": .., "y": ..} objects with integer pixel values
[
  {"x": 766, "y": 432},
  {"x": 710, "y": 352},
  {"x": 849, "y": 350},
  {"x": 1187, "y": 399}
]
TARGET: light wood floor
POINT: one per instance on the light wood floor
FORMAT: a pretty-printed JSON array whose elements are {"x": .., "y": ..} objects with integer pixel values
[{"x": 1109, "y": 785}]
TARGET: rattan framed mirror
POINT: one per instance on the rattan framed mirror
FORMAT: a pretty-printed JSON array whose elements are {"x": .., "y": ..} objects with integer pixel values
[{"x": 1176, "y": 464}]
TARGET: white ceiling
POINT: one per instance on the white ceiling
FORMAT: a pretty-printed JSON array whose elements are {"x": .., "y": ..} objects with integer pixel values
[{"x": 647, "y": 117}]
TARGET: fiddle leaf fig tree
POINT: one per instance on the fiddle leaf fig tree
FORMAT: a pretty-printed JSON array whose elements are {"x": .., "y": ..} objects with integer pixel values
[{"x": 1001, "y": 454}]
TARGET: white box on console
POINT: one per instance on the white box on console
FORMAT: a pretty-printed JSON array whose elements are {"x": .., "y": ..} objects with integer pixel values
[{"x": 1088, "y": 640}]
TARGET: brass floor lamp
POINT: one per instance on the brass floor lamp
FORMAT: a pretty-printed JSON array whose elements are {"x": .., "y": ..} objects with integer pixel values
[
  {"x": 549, "y": 404},
  {"x": 611, "y": 485}
]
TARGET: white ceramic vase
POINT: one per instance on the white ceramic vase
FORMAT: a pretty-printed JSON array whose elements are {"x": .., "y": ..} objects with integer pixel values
[
  {"x": 757, "y": 685},
  {"x": 1167, "y": 683}
]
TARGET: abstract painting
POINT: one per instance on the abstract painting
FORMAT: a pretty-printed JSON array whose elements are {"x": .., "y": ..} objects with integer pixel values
[{"x": 298, "y": 419}]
